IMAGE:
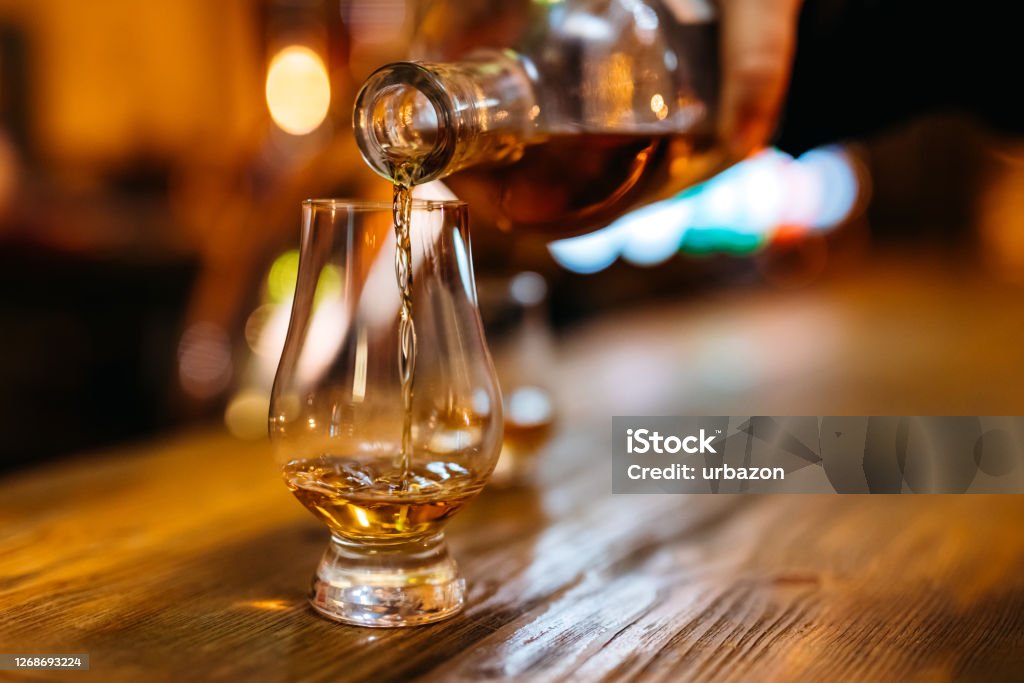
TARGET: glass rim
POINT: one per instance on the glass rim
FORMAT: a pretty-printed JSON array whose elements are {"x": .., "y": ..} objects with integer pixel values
[{"x": 360, "y": 205}]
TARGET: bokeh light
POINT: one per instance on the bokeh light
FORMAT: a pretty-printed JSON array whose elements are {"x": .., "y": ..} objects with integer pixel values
[
  {"x": 298, "y": 90},
  {"x": 246, "y": 414},
  {"x": 204, "y": 360},
  {"x": 285, "y": 271},
  {"x": 594, "y": 252},
  {"x": 664, "y": 225},
  {"x": 771, "y": 196}
]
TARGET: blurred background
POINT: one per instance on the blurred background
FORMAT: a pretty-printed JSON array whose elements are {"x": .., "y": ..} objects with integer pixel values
[{"x": 152, "y": 160}]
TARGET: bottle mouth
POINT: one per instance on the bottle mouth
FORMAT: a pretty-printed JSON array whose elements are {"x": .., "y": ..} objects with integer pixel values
[
  {"x": 402, "y": 119},
  {"x": 370, "y": 206}
]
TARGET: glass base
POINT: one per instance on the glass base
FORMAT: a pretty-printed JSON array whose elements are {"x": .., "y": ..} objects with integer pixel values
[{"x": 403, "y": 584}]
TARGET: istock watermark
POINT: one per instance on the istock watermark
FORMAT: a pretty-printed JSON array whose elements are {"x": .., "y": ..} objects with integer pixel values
[
  {"x": 818, "y": 454},
  {"x": 647, "y": 441}
]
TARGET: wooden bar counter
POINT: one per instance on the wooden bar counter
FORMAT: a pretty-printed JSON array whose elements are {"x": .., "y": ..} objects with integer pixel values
[{"x": 187, "y": 558}]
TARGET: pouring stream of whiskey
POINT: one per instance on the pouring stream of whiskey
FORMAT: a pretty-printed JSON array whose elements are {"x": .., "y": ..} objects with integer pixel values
[{"x": 402, "y": 210}]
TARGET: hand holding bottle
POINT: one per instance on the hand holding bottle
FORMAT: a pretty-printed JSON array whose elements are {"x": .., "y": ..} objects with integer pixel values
[
  {"x": 758, "y": 39},
  {"x": 580, "y": 110}
]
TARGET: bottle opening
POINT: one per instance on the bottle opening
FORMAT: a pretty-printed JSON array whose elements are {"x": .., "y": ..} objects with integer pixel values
[
  {"x": 405, "y": 121},
  {"x": 401, "y": 119}
]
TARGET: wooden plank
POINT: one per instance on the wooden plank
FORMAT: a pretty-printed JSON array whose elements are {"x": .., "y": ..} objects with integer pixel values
[
  {"x": 156, "y": 578},
  {"x": 188, "y": 559}
]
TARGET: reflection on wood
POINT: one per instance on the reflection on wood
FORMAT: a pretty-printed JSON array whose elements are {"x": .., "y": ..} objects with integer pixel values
[
  {"x": 150, "y": 569},
  {"x": 190, "y": 559}
]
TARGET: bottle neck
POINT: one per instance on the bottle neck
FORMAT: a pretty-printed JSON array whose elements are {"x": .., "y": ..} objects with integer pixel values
[{"x": 421, "y": 121}]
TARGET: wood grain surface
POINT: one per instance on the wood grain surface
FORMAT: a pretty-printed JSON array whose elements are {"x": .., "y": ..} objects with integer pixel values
[{"x": 187, "y": 559}]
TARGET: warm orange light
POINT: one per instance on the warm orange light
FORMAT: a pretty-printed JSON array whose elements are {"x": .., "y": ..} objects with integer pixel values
[
  {"x": 298, "y": 90},
  {"x": 269, "y": 605},
  {"x": 659, "y": 107}
]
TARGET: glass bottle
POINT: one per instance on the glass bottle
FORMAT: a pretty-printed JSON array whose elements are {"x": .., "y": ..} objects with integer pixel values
[{"x": 551, "y": 116}]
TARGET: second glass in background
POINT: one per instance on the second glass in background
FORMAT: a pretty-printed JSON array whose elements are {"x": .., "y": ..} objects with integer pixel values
[{"x": 515, "y": 315}]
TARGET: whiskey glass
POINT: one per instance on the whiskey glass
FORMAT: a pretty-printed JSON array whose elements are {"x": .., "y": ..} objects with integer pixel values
[
  {"x": 385, "y": 479},
  {"x": 515, "y": 315}
]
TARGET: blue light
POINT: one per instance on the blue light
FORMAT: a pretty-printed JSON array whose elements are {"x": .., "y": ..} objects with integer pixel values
[
  {"x": 839, "y": 179},
  {"x": 736, "y": 212},
  {"x": 655, "y": 232},
  {"x": 590, "y": 253}
]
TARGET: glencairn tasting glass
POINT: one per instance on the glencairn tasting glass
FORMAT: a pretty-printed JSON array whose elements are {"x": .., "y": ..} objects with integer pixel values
[
  {"x": 514, "y": 311},
  {"x": 551, "y": 117},
  {"x": 383, "y": 477}
]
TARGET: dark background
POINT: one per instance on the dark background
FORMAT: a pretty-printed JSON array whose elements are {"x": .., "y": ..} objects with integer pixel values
[{"x": 145, "y": 190}]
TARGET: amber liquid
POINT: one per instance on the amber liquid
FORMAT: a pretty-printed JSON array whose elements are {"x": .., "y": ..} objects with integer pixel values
[
  {"x": 529, "y": 420},
  {"x": 520, "y": 444},
  {"x": 571, "y": 184},
  {"x": 405, "y": 175},
  {"x": 526, "y": 439},
  {"x": 358, "y": 502}
]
